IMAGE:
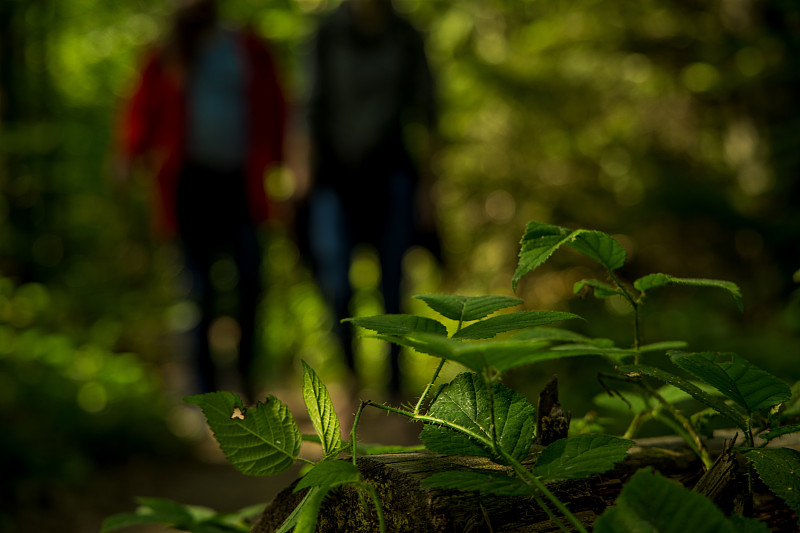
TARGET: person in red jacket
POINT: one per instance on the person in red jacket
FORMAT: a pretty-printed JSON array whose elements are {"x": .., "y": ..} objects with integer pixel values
[{"x": 209, "y": 113}]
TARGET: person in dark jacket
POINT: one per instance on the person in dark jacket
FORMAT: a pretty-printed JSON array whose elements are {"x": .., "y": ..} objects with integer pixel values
[
  {"x": 370, "y": 83},
  {"x": 209, "y": 112}
]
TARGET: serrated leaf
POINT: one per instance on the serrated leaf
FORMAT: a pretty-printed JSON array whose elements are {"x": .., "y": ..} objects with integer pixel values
[
  {"x": 781, "y": 431},
  {"x": 489, "y": 327},
  {"x": 497, "y": 483},
  {"x": 540, "y": 241},
  {"x": 467, "y": 308},
  {"x": 563, "y": 335},
  {"x": 329, "y": 473},
  {"x": 743, "y": 382},
  {"x": 735, "y": 415},
  {"x": 499, "y": 355},
  {"x": 263, "y": 442},
  {"x": 601, "y": 289},
  {"x": 320, "y": 410},
  {"x": 654, "y": 281},
  {"x": 466, "y": 402},
  {"x": 399, "y": 324},
  {"x": 581, "y": 456},
  {"x": 779, "y": 468},
  {"x": 650, "y": 502}
]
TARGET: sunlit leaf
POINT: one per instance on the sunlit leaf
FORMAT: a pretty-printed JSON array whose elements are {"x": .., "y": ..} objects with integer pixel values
[
  {"x": 743, "y": 382},
  {"x": 466, "y": 402},
  {"x": 496, "y": 483},
  {"x": 653, "y": 281},
  {"x": 320, "y": 410},
  {"x": 467, "y": 308},
  {"x": 650, "y": 502},
  {"x": 399, "y": 324},
  {"x": 779, "y": 468},
  {"x": 499, "y": 355},
  {"x": 540, "y": 241},
  {"x": 265, "y": 442},
  {"x": 489, "y": 327},
  {"x": 581, "y": 456},
  {"x": 329, "y": 473},
  {"x": 308, "y": 512}
]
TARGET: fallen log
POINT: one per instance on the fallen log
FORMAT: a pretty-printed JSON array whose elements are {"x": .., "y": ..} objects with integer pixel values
[{"x": 410, "y": 508}]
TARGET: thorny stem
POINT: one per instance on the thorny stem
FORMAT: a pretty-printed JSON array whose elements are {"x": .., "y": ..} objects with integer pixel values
[
  {"x": 353, "y": 443},
  {"x": 418, "y": 407},
  {"x": 635, "y": 306},
  {"x": 690, "y": 435}
]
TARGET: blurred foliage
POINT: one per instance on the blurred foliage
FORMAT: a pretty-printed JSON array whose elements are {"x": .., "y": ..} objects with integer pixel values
[{"x": 673, "y": 126}]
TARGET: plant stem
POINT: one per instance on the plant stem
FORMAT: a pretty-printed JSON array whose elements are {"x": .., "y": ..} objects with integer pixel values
[
  {"x": 418, "y": 407},
  {"x": 635, "y": 306},
  {"x": 353, "y": 443},
  {"x": 688, "y": 432},
  {"x": 378, "y": 507},
  {"x": 636, "y": 424}
]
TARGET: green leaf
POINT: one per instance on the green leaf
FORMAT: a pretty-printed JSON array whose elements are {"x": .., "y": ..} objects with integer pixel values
[
  {"x": 259, "y": 441},
  {"x": 650, "y": 502},
  {"x": 653, "y": 281},
  {"x": 467, "y": 308},
  {"x": 176, "y": 515},
  {"x": 496, "y": 483},
  {"x": 779, "y": 468},
  {"x": 581, "y": 456},
  {"x": 780, "y": 431},
  {"x": 320, "y": 410},
  {"x": 308, "y": 500},
  {"x": 741, "y": 381},
  {"x": 399, "y": 324},
  {"x": 329, "y": 473},
  {"x": 499, "y": 355},
  {"x": 466, "y": 402},
  {"x": 735, "y": 415},
  {"x": 491, "y": 326},
  {"x": 601, "y": 289},
  {"x": 563, "y": 335},
  {"x": 540, "y": 241}
]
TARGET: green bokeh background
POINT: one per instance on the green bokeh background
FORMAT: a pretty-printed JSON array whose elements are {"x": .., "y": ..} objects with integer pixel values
[{"x": 673, "y": 126}]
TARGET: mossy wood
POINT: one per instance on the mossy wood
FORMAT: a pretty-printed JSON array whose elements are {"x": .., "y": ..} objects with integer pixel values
[{"x": 409, "y": 508}]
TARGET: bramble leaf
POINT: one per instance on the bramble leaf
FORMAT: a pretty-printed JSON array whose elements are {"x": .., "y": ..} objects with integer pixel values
[
  {"x": 499, "y": 355},
  {"x": 540, "y": 241},
  {"x": 743, "y": 382},
  {"x": 718, "y": 404},
  {"x": 308, "y": 510},
  {"x": 466, "y": 402},
  {"x": 650, "y": 502},
  {"x": 467, "y": 308},
  {"x": 329, "y": 473},
  {"x": 779, "y": 468},
  {"x": 263, "y": 442},
  {"x": 399, "y": 324},
  {"x": 653, "y": 281},
  {"x": 581, "y": 456},
  {"x": 489, "y": 327},
  {"x": 495, "y": 483},
  {"x": 320, "y": 410},
  {"x": 563, "y": 335}
]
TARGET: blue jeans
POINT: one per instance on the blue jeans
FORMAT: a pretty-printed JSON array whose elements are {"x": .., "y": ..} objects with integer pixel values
[{"x": 332, "y": 238}]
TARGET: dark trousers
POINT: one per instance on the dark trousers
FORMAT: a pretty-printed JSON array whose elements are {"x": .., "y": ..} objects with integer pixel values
[
  {"x": 214, "y": 222},
  {"x": 334, "y": 232}
]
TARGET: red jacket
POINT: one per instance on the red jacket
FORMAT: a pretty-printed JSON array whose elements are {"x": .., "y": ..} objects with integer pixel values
[{"x": 154, "y": 122}]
